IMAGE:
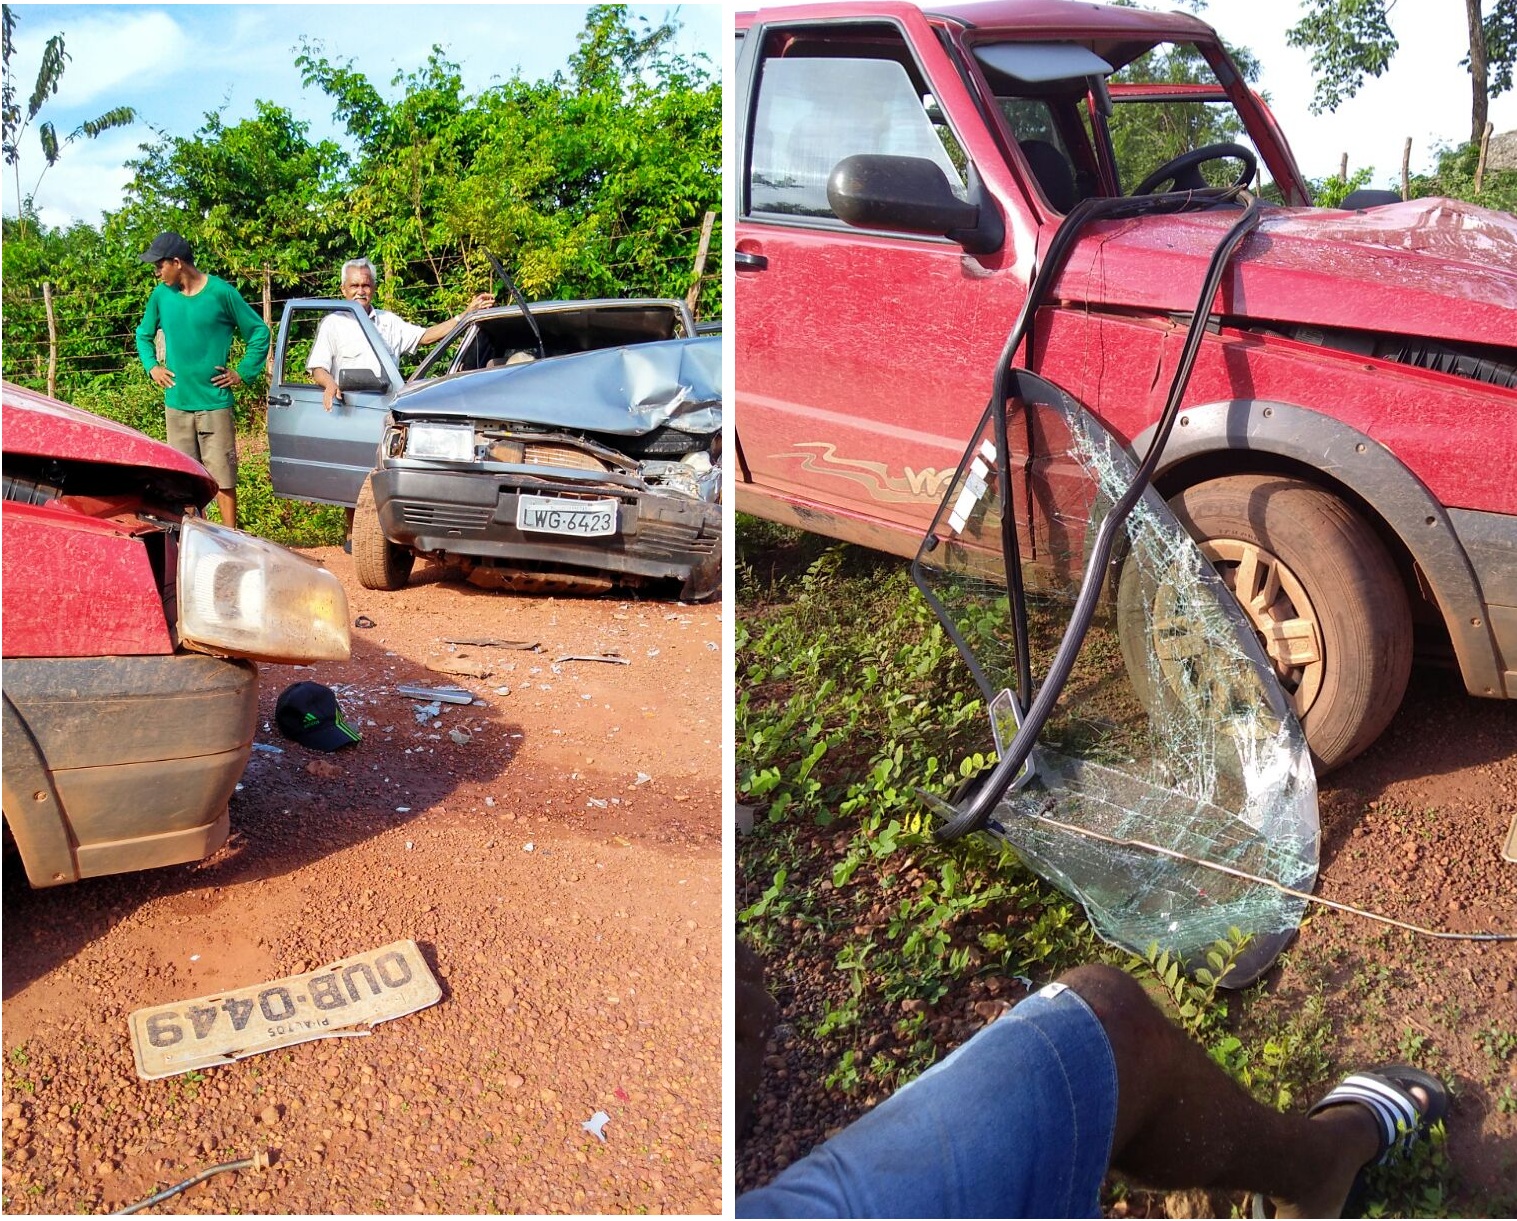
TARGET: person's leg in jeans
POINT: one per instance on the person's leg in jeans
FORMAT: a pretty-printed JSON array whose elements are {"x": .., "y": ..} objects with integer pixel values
[{"x": 1177, "y": 1120}]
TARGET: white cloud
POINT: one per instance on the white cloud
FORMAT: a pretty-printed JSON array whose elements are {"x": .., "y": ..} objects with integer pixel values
[
  {"x": 89, "y": 172},
  {"x": 106, "y": 52}
]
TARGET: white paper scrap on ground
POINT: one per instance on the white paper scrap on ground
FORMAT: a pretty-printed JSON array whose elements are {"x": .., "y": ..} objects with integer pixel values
[
  {"x": 343, "y": 999},
  {"x": 596, "y": 1124}
]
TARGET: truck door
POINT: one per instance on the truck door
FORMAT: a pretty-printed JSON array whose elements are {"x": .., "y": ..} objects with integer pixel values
[
  {"x": 315, "y": 454},
  {"x": 863, "y": 357}
]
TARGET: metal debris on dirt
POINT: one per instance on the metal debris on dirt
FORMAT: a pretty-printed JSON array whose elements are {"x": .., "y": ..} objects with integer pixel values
[
  {"x": 596, "y": 1125},
  {"x": 490, "y": 642},
  {"x": 448, "y": 695},
  {"x": 460, "y": 665},
  {"x": 426, "y": 712},
  {"x": 261, "y": 1160},
  {"x": 615, "y": 659},
  {"x": 460, "y": 737},
  {"x": 331, "y": 1002}
]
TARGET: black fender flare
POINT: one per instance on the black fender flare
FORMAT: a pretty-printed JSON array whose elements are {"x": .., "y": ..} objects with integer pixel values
[{"x": 1361, "y": 464}]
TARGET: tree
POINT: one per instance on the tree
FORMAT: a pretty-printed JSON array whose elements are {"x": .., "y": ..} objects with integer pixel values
[
  {"x": 49, "y": 73},
  {"x": 593, "y": 183},
  {"x": 251, "y": 197},
  {"x": 1352, "y": 39}
]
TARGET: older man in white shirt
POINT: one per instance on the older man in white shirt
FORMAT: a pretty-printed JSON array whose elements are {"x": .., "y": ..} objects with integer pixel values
[{"x": 340, "y": 344}]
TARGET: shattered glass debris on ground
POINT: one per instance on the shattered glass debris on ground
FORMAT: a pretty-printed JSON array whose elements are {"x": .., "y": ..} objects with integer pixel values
[{"x": 1172, "y": 729}]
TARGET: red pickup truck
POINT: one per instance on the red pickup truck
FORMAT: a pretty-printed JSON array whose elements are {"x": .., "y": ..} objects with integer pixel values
[
  {"x": 131, "y": 631},
  {"x": 1347, "y": 453}
]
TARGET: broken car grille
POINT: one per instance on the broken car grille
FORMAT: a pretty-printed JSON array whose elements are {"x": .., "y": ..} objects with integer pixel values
[{"x": 543, "y": 454}]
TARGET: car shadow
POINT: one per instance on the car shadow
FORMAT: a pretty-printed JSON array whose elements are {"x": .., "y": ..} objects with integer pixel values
[{"x": 293, "y": 806}]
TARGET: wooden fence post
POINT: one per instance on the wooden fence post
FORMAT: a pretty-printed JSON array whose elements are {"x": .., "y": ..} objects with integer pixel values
[
  {"x": 1485, "y": 144},
  {"x": 700, "y": 260},
  {"x": 1406, "y": 170},
  {"x": 52, "y": 340}
]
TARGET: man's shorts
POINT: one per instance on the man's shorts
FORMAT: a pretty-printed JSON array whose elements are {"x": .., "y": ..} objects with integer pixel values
[
  {"x": 209, "y": 437},
  {"x": 1017, "y": 1122}
]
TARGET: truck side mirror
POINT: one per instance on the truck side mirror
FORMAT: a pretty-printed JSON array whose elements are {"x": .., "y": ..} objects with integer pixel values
[
  {"x": 362, "y": 381},
  {"x": 884, "y": 191}
]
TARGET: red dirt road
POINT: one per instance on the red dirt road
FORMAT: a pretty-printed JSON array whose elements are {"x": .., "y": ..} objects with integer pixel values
[{"x": 555, "y": 850}]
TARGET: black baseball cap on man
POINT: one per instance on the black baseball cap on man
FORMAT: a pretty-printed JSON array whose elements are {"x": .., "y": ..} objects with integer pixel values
[
  {"x": 168, "y": 245},
  {"x": 308, "y": 713}
]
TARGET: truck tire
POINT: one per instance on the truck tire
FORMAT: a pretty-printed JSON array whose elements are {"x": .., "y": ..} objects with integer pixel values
[
  {"x": 379, "y": 563},
  {"x": 1323, "y": 595}
]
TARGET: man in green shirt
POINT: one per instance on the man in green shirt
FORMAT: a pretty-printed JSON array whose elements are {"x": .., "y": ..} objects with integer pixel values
[{"x": 198, "y": 314}]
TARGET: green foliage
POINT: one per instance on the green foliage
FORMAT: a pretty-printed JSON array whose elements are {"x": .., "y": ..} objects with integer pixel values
[
  {"x": 1417, "y": 1185},
  {"x": 290, "y": 522},
  {"x": 1331, "y": 192},
  {"x": 1501, "y": 45},
  {"x": 1145, "y": 135},
  {"x": 1497, "y": 1043},
  {"x": 767, "y": 901},
  {"x": 251, "y": 196},
  {"x": 1350, "y": 40},
  {"x": 590, "y": 185},
  {"x": 593, "y": 183},
  {"x": 1455, "y": 178},
  {"x": 1193, "y": 996}
]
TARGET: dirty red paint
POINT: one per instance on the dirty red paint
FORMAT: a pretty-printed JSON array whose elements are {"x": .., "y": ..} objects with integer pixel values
[{"x": 78, "y": 577}]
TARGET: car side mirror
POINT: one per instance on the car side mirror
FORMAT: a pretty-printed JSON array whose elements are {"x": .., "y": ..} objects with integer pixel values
[
  {"x": 884, "y": 191},
  {"x": 362, "y": 381}
]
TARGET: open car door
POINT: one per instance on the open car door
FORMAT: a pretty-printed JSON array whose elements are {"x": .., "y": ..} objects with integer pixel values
[
  {"x": 1149, "y": 762},
  {"x": 315, "y": 454}
]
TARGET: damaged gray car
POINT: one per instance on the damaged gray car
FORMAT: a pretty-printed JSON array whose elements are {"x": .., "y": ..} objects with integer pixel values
[{"x": 565, "y": 445}]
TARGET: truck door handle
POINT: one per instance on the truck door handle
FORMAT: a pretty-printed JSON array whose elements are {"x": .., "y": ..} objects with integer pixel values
[
  {"x": 280, "y": 400},
  {"x": 752, "y": 262}
]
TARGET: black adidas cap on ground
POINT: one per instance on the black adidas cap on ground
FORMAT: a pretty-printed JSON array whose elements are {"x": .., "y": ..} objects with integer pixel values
[{"x": 308, "y": 713}]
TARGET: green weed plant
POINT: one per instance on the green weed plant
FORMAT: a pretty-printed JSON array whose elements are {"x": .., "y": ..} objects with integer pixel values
[{"x": 849, "y": 698}]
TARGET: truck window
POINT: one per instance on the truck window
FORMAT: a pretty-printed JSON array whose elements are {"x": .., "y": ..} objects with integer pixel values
[
  {"x": 815, "y": 110},
  {"x": 1150, "y": 125},
  {"x": 302, "y": 333}
]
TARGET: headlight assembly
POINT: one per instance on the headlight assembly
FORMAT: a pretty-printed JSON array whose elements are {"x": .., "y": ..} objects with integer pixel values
[
  {"x": 449, "y": 442},
  {"x": 247, "y": 597}
]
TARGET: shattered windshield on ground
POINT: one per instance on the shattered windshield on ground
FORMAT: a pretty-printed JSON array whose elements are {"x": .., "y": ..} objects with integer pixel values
[{"x": 1171, "y": 731}]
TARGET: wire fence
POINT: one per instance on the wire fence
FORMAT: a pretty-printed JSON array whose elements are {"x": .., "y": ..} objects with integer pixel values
[{"x": 54, "y": 333}]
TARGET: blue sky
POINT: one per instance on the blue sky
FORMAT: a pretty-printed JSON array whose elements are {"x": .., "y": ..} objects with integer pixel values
[
  {"x": 174, "y": 62},
  {"x": 1425, "y": 94}
]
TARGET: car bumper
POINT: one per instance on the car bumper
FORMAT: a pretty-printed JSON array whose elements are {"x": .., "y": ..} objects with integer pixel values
[
  {"x": 122, "y": 763},
  {"x": 473, "y": 513}
]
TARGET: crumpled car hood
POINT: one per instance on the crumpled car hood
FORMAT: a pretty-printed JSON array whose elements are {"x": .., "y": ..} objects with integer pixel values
[
  {"x": 1437, "y": 268},
  {"x": 623, "y": 391}
]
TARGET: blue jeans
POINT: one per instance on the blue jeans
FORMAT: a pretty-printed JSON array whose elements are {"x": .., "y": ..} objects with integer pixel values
[{"x": 1017, "y": 1122}]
